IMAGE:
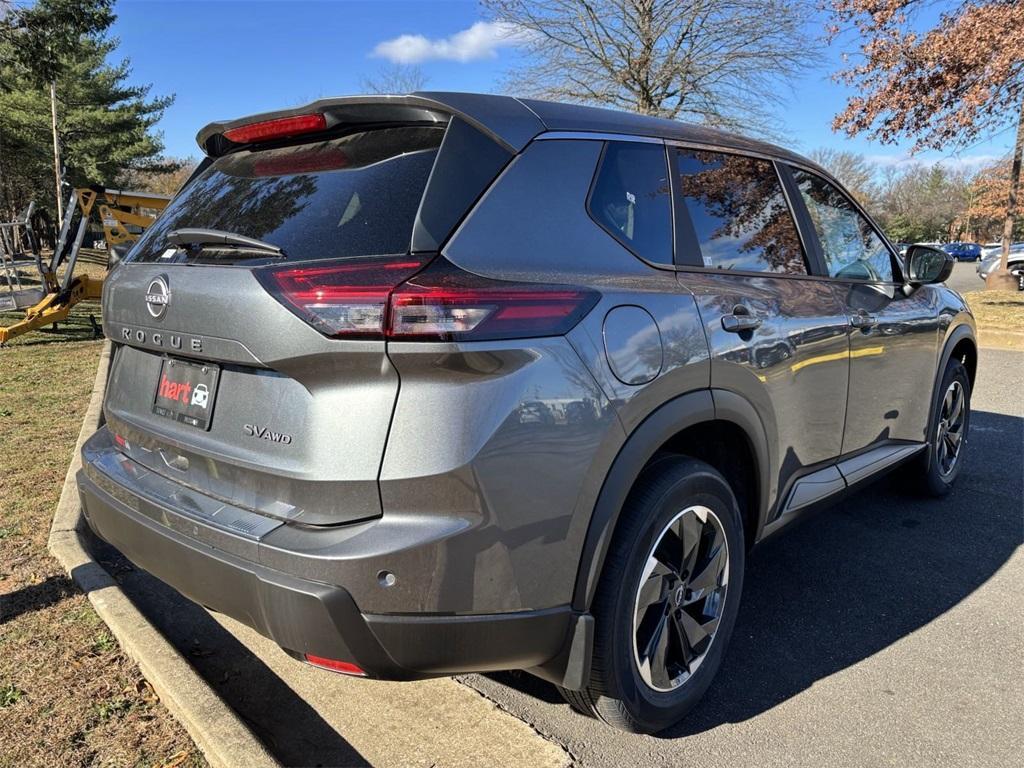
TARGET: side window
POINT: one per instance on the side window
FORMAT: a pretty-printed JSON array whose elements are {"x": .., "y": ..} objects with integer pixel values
[
  {"x": 631, "y": 199},
  {"x": 850, "y": 246},
  {"x": 739, "y": 213}
]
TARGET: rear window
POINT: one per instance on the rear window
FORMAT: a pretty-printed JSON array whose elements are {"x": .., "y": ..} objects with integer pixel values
[{"x": 355, "y": 195}]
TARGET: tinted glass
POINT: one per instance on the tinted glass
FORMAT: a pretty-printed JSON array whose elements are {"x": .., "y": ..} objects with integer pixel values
[
  {"x": 849, "y": 244},
  {"x": 739, "y": 213},
  {"x": 351, "y": 196},
  {"x": 631, "y": 199}
]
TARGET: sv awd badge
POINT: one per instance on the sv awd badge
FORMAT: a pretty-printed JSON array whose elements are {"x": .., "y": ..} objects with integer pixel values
[{"x": 265, "y": 433}]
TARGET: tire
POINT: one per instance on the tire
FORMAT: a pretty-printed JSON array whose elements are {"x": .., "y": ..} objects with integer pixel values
[
  {"x": 675, "y": 495},
  {"x": 937, "y": 474},
  {"x": 1018, "y": 271}
]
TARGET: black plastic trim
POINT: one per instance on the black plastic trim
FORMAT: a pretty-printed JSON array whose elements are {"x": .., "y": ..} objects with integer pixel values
[
  {"x": 954, "y": 337},
  {"x": 805, "y": 226},
  {"x": 468, "y": 161},
  {"x": 638, "y": 449},
  {"x": 850, "y": 485},
  {"x": 736, "y": 409},
  {"x": 322, "y": 619},
  {"x": 656, "y": 429}
]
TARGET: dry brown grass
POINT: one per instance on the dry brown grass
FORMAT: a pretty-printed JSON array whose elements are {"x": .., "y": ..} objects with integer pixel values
[
  {"x": 998, "y": 310},
  {"x": 68, "y": 695}
]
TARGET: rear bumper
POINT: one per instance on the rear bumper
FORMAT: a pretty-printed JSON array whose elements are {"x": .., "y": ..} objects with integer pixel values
[{"x": 305, "y": 616}]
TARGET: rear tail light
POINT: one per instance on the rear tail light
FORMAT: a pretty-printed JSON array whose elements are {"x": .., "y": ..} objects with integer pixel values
[
  {"x": 344, "y": 667},
  {"x": 445, "y": 303},
  {"x": 281, "y": 128},
  {"x": 347, "y": 300},
  {"x": 374, "y": 298}
]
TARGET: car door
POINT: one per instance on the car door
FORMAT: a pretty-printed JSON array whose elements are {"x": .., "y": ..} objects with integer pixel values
[
  {"x": 777, "y": 335},
  {"x": 894, "y": 333}
]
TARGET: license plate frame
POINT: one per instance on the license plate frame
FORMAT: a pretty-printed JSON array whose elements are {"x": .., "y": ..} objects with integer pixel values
[{"x": 186, "y": 392}]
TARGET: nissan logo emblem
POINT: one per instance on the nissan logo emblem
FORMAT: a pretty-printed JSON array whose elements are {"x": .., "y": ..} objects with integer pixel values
[{"x": 158, "y": 296}]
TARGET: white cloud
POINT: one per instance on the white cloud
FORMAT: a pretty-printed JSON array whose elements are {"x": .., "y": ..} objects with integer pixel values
[
  {"x": 480, "y": 41},
  {"x": 963, "y": 162}
]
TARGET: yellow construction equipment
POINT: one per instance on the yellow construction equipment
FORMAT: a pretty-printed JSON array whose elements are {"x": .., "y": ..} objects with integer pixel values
[
  {"x": 124, "y": 214},
  {"x": 48, "y": 300}
]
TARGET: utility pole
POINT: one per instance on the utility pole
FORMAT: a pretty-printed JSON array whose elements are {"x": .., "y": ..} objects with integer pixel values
[
  {"x": 56, "y": 153},
  {"x": 2, "y": 179}
]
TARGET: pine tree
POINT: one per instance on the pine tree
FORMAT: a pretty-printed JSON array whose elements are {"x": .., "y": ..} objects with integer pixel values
[{"x": 105, "y": 124}]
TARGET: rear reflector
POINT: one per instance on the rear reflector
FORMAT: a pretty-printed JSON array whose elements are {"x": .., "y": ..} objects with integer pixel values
[
  {"x": 121, "y": 442},
  {"x": 393, "y": 298},
  {"x": 344, "y": 667},
  {"x": 276, "y": 129}
]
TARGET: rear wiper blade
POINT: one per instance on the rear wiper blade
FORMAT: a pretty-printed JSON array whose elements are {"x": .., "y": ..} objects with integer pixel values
[{"x": 199, "y": 236}]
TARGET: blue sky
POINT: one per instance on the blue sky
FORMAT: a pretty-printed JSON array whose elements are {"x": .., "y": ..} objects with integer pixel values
[{"x": 227, "y": 58}]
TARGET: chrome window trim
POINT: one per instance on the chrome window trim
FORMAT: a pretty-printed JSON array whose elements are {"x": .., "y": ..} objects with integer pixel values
[{"x": 597, "y": 136}]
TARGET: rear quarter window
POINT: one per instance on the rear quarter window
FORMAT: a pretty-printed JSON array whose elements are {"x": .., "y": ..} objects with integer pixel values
[
  {"x": 356, "y": 195},
  {"x": 631, "y": 199}
]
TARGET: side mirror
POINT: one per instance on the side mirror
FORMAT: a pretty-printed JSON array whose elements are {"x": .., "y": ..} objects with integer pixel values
[
  {"x": 924, "y": 265},
  {"x": 115, "y": 255}
]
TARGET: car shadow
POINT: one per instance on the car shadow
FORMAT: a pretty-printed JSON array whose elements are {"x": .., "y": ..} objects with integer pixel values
[
  {"x": 290, "y": 728},
  {"x": 842, "y": 585},
  {"x": 35, "y": 597}
]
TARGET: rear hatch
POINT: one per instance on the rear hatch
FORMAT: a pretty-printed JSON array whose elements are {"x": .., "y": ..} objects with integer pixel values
[{"x": 231, "y": 375}]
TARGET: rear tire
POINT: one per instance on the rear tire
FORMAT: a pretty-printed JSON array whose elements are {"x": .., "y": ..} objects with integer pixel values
[
  {"x": 657, "y": 648},
  {"x": 947, "y": 433}
]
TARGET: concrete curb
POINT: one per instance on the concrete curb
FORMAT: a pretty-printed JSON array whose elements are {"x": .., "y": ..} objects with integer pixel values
[
  {"x": 998, "y": 338},
  {"x": 222, "y": 737}
]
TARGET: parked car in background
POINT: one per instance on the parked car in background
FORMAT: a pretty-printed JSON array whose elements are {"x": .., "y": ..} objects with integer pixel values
[
  {"x": 902, "y": 248},
  {"x": 963, "y": 251},
  {"x": 990, "y": 248},
  {"x": 443, "y": 383},
  {"x": 1015, "y": 264}
]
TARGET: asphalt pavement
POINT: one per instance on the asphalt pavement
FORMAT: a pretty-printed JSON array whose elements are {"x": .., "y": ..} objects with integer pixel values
[
  {"x": 965, "y": 277},
  {"x": 886, "y": 630}
]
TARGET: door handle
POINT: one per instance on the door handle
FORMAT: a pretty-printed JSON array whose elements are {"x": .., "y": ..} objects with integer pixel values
[
  {"x": 862, "y": 320},
  {"x": 738, "y": 323}
]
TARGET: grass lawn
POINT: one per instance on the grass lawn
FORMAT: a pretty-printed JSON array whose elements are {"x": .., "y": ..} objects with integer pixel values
[
  {"x": 999, "y": 310},
  {"x": 68, "y": 695}
]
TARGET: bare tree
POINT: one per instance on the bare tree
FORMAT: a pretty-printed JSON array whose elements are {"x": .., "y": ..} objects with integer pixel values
[
  {"x": 853, "y": 170},
  {"x": 920, "y": 203},
  {"x": 717, "y": 61},
  {"x": 163, "y": 182},
  {"x": 395, "y": 78}
]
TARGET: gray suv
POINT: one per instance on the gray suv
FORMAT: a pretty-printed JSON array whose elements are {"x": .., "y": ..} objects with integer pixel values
[{"x": 441, "y": 383}]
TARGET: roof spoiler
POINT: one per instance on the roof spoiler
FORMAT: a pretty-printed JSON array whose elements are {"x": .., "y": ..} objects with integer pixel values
[{"x": 504, "y": 119}]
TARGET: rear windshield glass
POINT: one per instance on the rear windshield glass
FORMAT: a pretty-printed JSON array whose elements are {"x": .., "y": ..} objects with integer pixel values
[{"x": 351, "y": 196}]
